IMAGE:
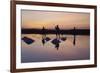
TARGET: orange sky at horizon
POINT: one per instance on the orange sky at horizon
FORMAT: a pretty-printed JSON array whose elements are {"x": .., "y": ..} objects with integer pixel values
[{"x": 49, "y": 19}]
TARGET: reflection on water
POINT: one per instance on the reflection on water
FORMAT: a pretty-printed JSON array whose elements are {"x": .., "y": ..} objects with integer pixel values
[{"x": 38, "y": 49}]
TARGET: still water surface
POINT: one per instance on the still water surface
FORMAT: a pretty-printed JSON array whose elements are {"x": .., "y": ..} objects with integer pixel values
[{"x": 37, "y": 52}]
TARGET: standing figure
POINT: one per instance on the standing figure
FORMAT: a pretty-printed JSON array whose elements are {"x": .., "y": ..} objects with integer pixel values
[
  {"x": 74, "y": 41},
  {"x": 43, "y": 35},
  {"x": 57, "y": 31}
]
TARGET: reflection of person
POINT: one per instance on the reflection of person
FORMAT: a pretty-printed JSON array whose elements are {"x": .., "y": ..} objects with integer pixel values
[
  {"x": 43, "y": 41},
  {"x": 57, "y": 31},
  {"x": 57, "y": 45}
]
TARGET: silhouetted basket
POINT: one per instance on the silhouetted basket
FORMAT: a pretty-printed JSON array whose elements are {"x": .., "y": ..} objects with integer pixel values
[{"x": 28, "y": 40}]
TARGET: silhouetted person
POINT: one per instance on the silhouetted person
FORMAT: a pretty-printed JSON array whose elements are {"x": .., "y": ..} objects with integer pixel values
[
  {"x": 74, "y": 30},
  {"x": 57, "y": 31},
  {"x": 43, "y": 33},
  {"x": 74, "y": 41}
]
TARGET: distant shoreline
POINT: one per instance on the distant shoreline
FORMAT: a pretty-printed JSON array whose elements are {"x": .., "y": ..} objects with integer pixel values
[{"x": 52, "y": 31}]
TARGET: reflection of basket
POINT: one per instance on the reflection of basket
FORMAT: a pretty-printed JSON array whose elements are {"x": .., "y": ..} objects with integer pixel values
[
  {"x": 44, "y": 40},
  {"x": 63, "y": 38},
  {"x": 47, "y": 38},
  {"x": 56, "y": 41}
]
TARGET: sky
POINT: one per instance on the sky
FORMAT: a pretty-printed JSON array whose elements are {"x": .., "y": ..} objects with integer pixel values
[{"x": 49, "y": 19}]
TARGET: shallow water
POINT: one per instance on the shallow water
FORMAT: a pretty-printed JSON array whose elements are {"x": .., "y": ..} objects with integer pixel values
[{"x": 37, "y": 52}]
